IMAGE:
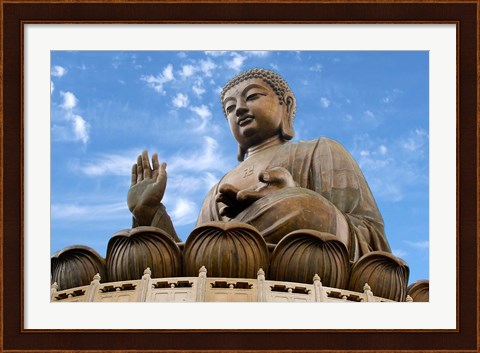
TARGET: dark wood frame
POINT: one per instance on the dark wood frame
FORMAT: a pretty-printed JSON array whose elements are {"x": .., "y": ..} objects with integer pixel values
[{"x": 464, "y": 14}]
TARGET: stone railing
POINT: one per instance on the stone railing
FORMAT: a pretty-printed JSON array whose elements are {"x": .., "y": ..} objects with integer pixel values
[{"x": 209, "y": 289}]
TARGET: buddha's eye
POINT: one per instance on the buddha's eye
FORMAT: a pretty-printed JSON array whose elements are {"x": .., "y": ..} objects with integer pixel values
[
  {"x": 230, "y": 108},
  {"x": 254, "y": 96}
]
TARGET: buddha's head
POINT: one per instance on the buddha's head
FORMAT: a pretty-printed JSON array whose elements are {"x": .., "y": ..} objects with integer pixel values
[{"x": 259, "y": 105}]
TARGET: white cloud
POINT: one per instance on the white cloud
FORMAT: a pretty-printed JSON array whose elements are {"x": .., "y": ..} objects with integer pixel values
[
  {"x": 198, "y": 88},
  {"x": 383, "y": 150},
  {"x": 184, "y": 212},
  {"x": 417, "y": 139},
  {"x": 58, "y": 71},
  {"x": 76, "y": 212},
  {"x": 399, "y": 253},
  {"x": 316, "y": 68},
  {"x": 207, "y": 66},
  {"x": 204, "y": 114},
  {"x": 391, "y": 96},
  {"x": 157, "y": 82},
  {"x": 274, "y": 66},
  {"x": 180, "y": 100},
  {"x": 369, "y": 114},
  {"x": 419, "y": 244},
  {"x": 74, "y": 127},
  {"x": 348, "y": 117},
  {"x": 107, "y": 164},
  {"x": 215, "y": 53},
  {"x": 324, "y": 102},
  {"x": 209, "y": 155},
  {"x": 181, "y": 55},
  {"x": 236, "y": 62},
  {"x": 81, "y": 128},
  {"x": 69, "y": 100},
  {"x": 187, "y": 71},
  {"x": 258, "y": 53},
  {"x": 52, "y": 87}
]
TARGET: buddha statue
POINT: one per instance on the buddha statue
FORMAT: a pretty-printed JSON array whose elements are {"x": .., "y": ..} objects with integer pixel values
[
  {"x": 293, "y": 209},
  {"x": 280, "y": 188}
]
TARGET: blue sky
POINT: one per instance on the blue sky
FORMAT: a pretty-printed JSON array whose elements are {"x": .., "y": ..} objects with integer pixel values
[{"x": 107, "y": 106}]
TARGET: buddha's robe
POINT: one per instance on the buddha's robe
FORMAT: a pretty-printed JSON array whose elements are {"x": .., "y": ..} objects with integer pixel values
[{"x": 325, "y": 173}]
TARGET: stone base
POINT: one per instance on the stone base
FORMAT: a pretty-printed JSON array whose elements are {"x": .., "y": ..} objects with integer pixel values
[{"x": 210, "y": 289}]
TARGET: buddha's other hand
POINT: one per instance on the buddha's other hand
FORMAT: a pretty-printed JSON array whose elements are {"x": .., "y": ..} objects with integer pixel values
[
  {"x": 270, "y": 181},
  {"x": 147, "y": 188}
]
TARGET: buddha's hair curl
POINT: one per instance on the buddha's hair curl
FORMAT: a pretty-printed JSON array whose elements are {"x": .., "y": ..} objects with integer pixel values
[{"x": 278, "y": 84}]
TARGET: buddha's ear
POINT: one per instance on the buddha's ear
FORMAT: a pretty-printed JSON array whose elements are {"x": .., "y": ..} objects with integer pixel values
[{"x": 287, "y": 120}]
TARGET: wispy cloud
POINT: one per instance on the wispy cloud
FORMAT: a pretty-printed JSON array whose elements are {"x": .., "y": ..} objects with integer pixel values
[
  {"x": 391, "y": 96},
  {"x": 69, "y": 100},
  {"x": 198, "y": 87},
  {"x": 82, "y": 212},
  {"x": 207, "y": 66},
  {"x": 76, "y": 128},
  {"x": 215, "y": 53},
  {"x": 202, "y": 112},
  {"x": 58, "y": 71},
  {"x": 257, "y": 53},
  {"x": 316, "y": 68},
  {"x": 157, "y": 82},
  {"x": 52, "y": 87},
  {"x": 119, "y": 164},
  {"x": 399, "y": 253},
  {"x": 415, "y": 141},
  {"x": 236, "y": 62},
  {"x": 423, "y": 244},
  {"x": 324, "y": 102},
  {"x": 180, "y": 101},
  {"x": 187, "y": 71},
  {"x": 184, "y": 212}
]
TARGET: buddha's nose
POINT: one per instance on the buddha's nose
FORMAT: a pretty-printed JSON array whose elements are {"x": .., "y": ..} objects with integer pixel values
[{"x": 241, "y": 108}]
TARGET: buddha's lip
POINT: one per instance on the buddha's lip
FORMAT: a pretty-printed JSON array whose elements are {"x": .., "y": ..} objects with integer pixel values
[{"x": 245, "y": 119}]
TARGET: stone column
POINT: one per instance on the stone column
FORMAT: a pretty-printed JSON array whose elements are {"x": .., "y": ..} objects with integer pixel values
[
  {"x": 92, "y": 289},
  {"x": 202, "y": 281},
  {"x": 144, "y": 285},
  {"x": 320, "y": 295},
  {"x": 53, "y": 291},
  {"x": 261, "y": 295},
  {"x": 368, "y": 293}
]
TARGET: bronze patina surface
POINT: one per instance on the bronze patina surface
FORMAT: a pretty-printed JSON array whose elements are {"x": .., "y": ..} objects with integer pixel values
[{"x": 310, "y": 197}]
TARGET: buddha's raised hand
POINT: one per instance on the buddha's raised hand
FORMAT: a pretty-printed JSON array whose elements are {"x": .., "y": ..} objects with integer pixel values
[{"x": 147, "y": 188}]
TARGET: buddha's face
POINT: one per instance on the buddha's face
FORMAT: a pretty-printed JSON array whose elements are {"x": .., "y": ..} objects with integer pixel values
[{"x": 253, "y": 111}]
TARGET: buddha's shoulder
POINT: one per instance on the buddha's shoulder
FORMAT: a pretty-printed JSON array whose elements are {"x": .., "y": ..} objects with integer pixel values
[{"x": 320, "y": 142}]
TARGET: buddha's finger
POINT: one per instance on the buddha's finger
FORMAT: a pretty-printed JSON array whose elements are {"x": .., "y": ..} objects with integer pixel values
[
  {"x": 147, "y": 169},
  {"x": 139, "y": 169},
  {"x": 250, "y": 196},
  {"x": 229, "y": 189},
  {"x": 134, "y": 175},
  {"x": 155, "y": 163},
  {"x": 162, "y": 172},
  {"x": 227, "y": 212}
]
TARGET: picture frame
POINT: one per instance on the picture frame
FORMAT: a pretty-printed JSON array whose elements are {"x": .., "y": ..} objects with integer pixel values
[{"x": 17, "y": 13}]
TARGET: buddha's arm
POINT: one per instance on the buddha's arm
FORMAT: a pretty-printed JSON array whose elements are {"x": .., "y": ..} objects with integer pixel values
[
  {"x": 146, "y": 192},
  {"x": 340, "y": 180},
  {"x": 161, "y": 220}
]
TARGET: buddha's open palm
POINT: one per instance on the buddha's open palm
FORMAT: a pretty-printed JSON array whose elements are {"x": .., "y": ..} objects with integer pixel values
[{"x": 147, "y": 188}]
